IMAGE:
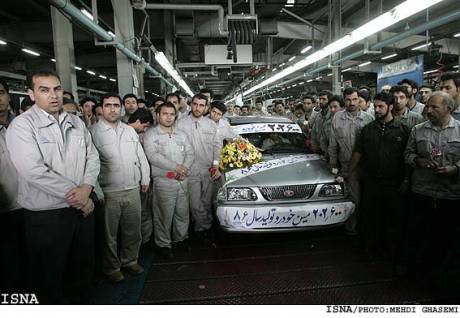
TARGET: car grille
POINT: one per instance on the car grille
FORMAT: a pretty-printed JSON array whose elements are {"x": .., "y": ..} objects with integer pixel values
[{"x": 298, "y": 192}]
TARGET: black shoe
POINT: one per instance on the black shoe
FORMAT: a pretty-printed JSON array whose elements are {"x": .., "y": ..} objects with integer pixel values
[
  {"x": 183, "y": 245},
  {"x": 165, "y": 253}
]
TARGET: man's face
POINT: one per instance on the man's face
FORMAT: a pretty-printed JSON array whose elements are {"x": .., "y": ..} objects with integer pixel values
[
  {"x": 198, "y": 107},
  {"x": 183, "y": 102},
  {"x": 410, "y": 90},
  {"x": 244, "y": 111},
  {"x": 99, "y": 112},
  {"x": 400, "y": 101},
  {"x": 299, "y": 113},
  {"x": 167, "y": 115},
  {"x": 216, "y": 114},
  {"x": 88, "y": 108},
  {"x": 140, "y": 127},
  {"x": 158, "y": 103},
  {"x": 307, "y": 104},
  {"x": 323, "y": 101},
  {"x": 111, "y": 109},
  {"x": 259, "y": 106},
  {"x": 425, "y": 92},
  {"x": 4, "y": 99},
  {"x": 141, "y": 105},
  {"x": 70, "y": 108},
  {"x": 363, "y": 104},
  {"x": 279, "y": 108},
  {"x": 381, "y": 109},
  {"x": 47, "y": 93},
  {"x": 130, "y": 105},
  {"x": 174, "y": 100},
  {"x": 386, "y": 89},
  {"x": 436, "y": 111},
  {"x": 237, "y": 111},
  {"x": 450, "y": 88},
  {"x": 351, "y": 102},
  {"x": 230, "y": 108},
  {"x": 270, "y": 109},
  {"x": 334, "y": 107}
]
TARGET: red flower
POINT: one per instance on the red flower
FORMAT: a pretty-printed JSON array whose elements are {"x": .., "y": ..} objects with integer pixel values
[
  {"x": 212, "y": 170},
  {"x": 170, "y": 175}
]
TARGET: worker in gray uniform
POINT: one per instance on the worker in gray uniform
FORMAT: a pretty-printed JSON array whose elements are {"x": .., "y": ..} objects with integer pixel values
[
  {"x": 171, "y": 155},
  {"x": 206, "y": 144}
]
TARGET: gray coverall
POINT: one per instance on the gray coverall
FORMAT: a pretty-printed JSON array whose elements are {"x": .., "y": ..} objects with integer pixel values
[
  {"x": 206, "y": 144},
  {"x": 171, "y": 207}
]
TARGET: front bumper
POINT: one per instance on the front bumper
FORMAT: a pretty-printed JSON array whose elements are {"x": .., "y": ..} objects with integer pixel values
[{"x": 283, "y": 217}]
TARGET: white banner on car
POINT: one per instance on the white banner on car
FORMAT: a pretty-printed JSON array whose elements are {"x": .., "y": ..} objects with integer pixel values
[
  {"x": 236, "y": 174},
  {"x": 266, "y": 128}
]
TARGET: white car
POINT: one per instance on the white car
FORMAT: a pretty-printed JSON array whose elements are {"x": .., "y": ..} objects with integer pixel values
[{"x": 291, "y": 189}]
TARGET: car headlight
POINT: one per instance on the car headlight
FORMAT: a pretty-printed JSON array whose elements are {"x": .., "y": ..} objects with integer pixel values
[
  {"x": 222, "y": 194},
  {"x": 241, "y": 194},
  {"x": 331, "y": 190}
]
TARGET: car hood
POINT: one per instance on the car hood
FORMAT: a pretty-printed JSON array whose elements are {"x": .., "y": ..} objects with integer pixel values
[{"x": 311, "y": 170}]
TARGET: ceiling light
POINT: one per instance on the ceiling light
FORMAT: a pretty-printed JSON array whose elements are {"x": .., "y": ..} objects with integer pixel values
[
  {"x": 389, "y": 56},
  {"x": 164, "y": 63},
  {"x": 330, "y": 74},
  {"x": 364, "y": 64},
  {"x": 421, "y": 46},
  {"x": 294, "y": 85},
  {"x": 455, "y": 66},
  {"x": 429, "y": 72},
  {"x": 457, "y": 35},
  {"x": 2, "y": 42},
  {"x": 306, "y": 49},
  {"x": 30, "y": 52},
  {"x": 87, "y": 14},
  {"x": 291, "y": 59},
  {"x": 102, "y": 76},
  {"x": 318, "y": 78},
  {"x": 396, "y": 14},
  {"x": 111, "y": 34},
  {"x": 53, "y": 60},
  {"x": 310, "y": 80},
  {"x": 90, "y": 72},
  {"x": 112, "y": 80},
  {"x": 346, "y": 70},
  {"x": 77, "y": 68},
  {"x": 282, "y": 64},
  {"x": 301, "y": 83},
  {"x": 274, "y": 69},
  {"x": 146, "y": 91}
]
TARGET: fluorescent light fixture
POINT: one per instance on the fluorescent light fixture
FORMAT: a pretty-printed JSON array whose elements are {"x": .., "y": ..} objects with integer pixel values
[
  {"x": 291, "y": 59},
  {"x": 310, "y": 80},
  {"x": 87, "y": 14},
  {"x": 53, "y": 60},
  {"x": 456, "y": 66},
  {"x": 400, "y": 12},
  {"x": 389, "y": 56},
  {"x": 346, "y": 70},
  {"x": 318, "y": 78},
  {"x": 90, "y": 72},
  {"x": 364, "y": 64},
  {"x": 274, "y": 69},
  {"x": 429, "y": 72},
  {"x": 112, "y": 80},
  {"x": 457, "y": 35},
  {"x": 102, "y": 76},
  {"x": 2, "y": 42},
  {"x": 78, "y": 68},
  {"x": 282, "y": 64},
  {"x": 301, "y": 83},
  {"x": 30, "y": 52},
  {"x": 111, "y": 34},
  {"x": 164, "y": 63},
  {"x": 146, "y": 91},
  {"x": 421, "y": 46},
  {"x": 306, "y": 49},
  {"x": 294, "y": 85},
  {"x": 330, "y": 74}
]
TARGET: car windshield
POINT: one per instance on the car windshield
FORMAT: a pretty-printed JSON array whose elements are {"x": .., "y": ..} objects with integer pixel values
[{"x": 278, "y": 142}]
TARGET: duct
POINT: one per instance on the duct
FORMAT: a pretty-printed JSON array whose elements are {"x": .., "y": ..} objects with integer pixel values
[
  {"x": 75, "y": 13},
  {"x": 196, "y": 7},
  {"x": 398, "y": 37}
]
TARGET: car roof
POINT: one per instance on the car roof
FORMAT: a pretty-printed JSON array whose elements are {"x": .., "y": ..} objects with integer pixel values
[{"x": 242, "y": 120}]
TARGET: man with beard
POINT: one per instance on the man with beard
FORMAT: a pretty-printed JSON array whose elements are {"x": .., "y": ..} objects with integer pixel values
[
  {"x": 412, "y": 89},
  {"x": 218, "y": 110},
  {"x": 87, "y": 104},
  {"x": 320, "y": 118},
  {"x": 123, "y": 168},
  {"x": 130, "y": 106},
  {"x": 401, "y": 110},
  {"x": 345, "y": 126},
  {"x": 184, "y": 108},
  {"x": 379, "y": 151},
  {"x": 425, "y": 91},
  {"x": 202, "y": 133},
  {"x": 335, "y": 104},
  {"x": 280, "y": 110},
  {"x": 171, "y": 155},
  {"x": 433, "y": 150},
  {"x": 450, "y": 84}
]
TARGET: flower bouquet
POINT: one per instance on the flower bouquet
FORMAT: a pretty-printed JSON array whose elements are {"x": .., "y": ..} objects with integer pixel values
[{"x": 239, "y": 153}]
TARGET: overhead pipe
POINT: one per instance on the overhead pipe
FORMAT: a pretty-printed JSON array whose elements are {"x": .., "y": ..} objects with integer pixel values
[
  {"x": 192, "y": 7},
  {"x": 396, "y": 38},
  {"x": 75, "y": 13}
]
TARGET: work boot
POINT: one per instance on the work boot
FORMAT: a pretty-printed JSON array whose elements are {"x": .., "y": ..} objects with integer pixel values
[
  {"x": 115, "y": 277},
  {"x": 134, "y": 269},
  {"x": 165, "y": 253}
]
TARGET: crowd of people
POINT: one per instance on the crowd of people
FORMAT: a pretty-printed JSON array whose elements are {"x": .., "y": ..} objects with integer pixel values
[{"x": 85, "y": 178}]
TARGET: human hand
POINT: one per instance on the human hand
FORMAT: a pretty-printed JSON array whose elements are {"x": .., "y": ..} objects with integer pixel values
[
  {"x": 88, "y": 208},
  {"x": 215, "y": 174},
  {"x": 426, "y": 163},
  {"x": 446, "y": 171},
  {"x": 144, "y": 188},
  {"x": 78, "y": 197},
  {"x": 182, "y": 170}
]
